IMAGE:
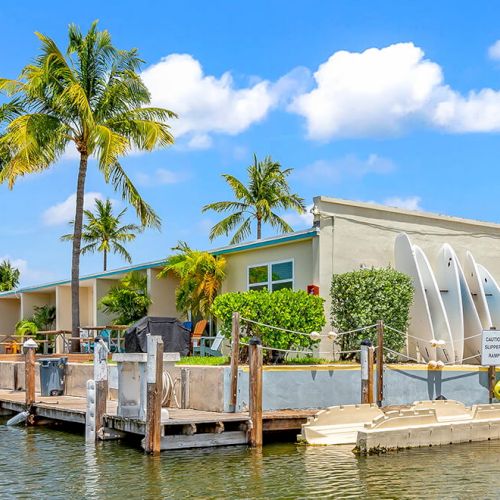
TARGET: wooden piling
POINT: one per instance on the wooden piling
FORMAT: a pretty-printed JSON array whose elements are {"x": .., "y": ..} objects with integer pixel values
[
  {"x": 492, "y": 380},
  {"x": 380, "y": 362},
  {"x": 154, "y": 394},
  {"x": 255, "y": 389},
  {"x": 29, "y": 374},
  {"x": 235, "y": 354}
]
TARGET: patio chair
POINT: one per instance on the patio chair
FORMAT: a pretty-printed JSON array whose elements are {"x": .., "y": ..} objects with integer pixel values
[
  {"x": 199, "y": 330},
  {"x": 209, "y": 346}
]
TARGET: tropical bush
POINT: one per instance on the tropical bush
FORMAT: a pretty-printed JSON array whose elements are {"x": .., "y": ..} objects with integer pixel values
[
  {"x": 44, "y": 317},
  {"x": 200, "y": 277},
  {"x": 288, "y": 309},
  {"x": 360, "y": 298},
  {"x": 26, "y": 327},
  {"x": 128, "y": 301}
]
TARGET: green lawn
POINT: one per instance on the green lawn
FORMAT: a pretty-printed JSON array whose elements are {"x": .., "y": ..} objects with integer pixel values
[{"x": 204, "y": 360}]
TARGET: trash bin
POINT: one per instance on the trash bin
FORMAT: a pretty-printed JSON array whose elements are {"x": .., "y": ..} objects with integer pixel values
[{"x": 52, "y": 376}]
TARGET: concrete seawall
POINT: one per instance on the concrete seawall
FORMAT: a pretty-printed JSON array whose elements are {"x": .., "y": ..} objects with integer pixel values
[{"x": 294, "y": 387}]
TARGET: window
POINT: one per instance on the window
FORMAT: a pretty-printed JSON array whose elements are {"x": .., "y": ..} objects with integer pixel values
[{"x": 273, "y": 276}]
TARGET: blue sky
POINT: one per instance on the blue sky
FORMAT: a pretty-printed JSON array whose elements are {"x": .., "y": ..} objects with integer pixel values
[{"x": 392, "y": 102}]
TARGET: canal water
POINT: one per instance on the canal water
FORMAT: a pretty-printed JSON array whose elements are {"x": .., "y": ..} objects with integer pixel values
[{"x": 45, "y": 463}]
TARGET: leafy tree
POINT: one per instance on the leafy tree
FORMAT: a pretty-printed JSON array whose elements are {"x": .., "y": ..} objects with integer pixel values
[
  {"x": 9, "y": 276},
  {"x": 91, "y": 96},
  {"x": 26, "y": 327},
  {"x": 200, "y": 277},
  {"x": 128, "y": 301},
  {"x": 267, "y": 190},
  {"x": 44, "y": 317},
  {"x": 292, "y": 310},
  {"x": 362, "y": 297},
  {"x": 103, "y": 232}
]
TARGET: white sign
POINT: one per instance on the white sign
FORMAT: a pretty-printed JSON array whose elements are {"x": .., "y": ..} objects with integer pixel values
[{"x": 490, "y": 348}]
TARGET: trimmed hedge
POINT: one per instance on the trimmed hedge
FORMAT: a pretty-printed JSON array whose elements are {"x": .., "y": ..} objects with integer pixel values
[
  {"x": 360, "y": 298},
  {"x": 293, "y": 310}
]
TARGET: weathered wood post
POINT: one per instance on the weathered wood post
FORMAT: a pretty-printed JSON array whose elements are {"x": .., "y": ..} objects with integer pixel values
[
  {"x": 366, "y": 373},
  {"x": 235, "y": 354},
  {"x": 380, "y": 362},
  {"x": 154, "y": 372},
  {"x": 30, "y": 347},
  {"x": 255, "y": 389}
]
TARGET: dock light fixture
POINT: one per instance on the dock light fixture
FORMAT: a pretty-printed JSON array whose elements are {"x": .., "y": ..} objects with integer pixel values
[
  {"x": 332, "y": 335},
  {"x": 315, "y": 336},
  {"x": 30, "y": 344}
]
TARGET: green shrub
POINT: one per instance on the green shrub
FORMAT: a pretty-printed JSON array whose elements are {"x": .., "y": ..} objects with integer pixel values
[
  {"x": 360, "y": 298},
  {"x": 128, "y": 301},
  {"x": 293, "y": 310}
]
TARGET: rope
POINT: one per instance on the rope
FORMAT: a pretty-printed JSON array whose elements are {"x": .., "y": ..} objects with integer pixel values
[
  {"x": 281, "y": 350},
  {"x": 302, "y": 333},
  {"x": 400, "y": 354},
  {"x": 463, "y": 359}
]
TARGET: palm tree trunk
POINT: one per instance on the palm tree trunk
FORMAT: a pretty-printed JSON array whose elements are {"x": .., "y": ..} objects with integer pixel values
[
  {"x": 105, "y": 260},
  {"x": 259, "y": 228},
  {"x": 75, "y": 262}
]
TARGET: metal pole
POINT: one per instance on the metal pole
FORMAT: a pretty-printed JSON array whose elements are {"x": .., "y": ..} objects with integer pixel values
[
  {"x": 365, "y": 371},
  {"x": 380, "y": 362}
]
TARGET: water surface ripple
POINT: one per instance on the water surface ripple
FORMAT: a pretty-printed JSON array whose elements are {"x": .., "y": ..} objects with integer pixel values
[{"x": 45, "y": 463}]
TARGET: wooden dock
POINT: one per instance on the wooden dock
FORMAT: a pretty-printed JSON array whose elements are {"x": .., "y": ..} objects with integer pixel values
[{"x": 185, "y": 428}]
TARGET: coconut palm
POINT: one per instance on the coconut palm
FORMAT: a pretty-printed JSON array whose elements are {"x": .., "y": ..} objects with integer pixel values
[
  {"x": 102, "y": 232},
  {"x": 90, "y": 97},
  {"x": 200, "y": 277},
  {"x": 9, "y": 276},
  {"x": 267, "y": 190}
]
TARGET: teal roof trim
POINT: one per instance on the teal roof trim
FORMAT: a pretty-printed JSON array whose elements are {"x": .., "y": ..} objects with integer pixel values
[
  {"x": 268, "y": 242},
  {"x": 275, "y": 240}
]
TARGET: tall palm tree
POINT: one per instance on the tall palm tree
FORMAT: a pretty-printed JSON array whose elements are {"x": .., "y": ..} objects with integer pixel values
[
  {"x": 267, "y": 190},
  {"x": 102, "y": 232},
  {"x": 200, "y": 277},
  {"x": 91, "y": 96},
  {"x": 9, "y": 276}
]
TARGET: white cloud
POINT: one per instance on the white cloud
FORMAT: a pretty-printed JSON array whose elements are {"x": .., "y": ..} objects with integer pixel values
[
  {"x": 299, "y": 221},
  {"x": 494, "y": 51},
  {"x": 383, "y": 91},
  {"x": 205, "y": 103},
  {"x": 64, "y": 212},
  {"x": 346, "y": 167},
  {"x": 160, "y": 177},
  {"x": 200, "y": 141},
  {"x": 28, "y": 275},
  {"x": 408, "y": 203}
]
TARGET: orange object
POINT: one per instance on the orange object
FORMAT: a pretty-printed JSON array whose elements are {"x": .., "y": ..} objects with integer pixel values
[
  {"x": 199, "y": 330},
  {"x": 313, "y": 289}
]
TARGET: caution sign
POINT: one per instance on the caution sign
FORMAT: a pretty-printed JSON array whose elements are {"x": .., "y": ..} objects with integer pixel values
[{"x": 490, "y": 348}]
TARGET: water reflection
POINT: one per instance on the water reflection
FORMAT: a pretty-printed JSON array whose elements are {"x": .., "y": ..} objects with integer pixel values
[{"x": 44, "y": 463}]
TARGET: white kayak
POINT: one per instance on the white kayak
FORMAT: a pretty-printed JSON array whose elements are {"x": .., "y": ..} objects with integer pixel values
[
  {"x": 446, "y": 274},
  {"x": 439, "y": 318},
  {"x": 420, "y": 329},
  {"x": 492, "y": 294}
]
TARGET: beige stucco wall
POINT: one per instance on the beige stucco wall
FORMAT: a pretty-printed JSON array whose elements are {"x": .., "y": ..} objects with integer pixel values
[
  {"x": 30, "y": 300},
  {"x": 10, "y": 314},
  {"x": 101, "y": 288},
  {"x": 364, "y": 234},
  {"x": 301, "y": 252},
  {"x": 63, "y": 307},
  {"x": 353, "y": 235},
  {"x": 162, "y": 293}
]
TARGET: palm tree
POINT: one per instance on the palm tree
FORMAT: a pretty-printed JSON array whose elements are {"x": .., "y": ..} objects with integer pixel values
[
  {"x": 9, "y": 276},
  {"x": 102, "y": 232},
  {"x": 200, "y": 277},
  {"x": 91, "y": 96},
  {"x": 267, "y": 190}
]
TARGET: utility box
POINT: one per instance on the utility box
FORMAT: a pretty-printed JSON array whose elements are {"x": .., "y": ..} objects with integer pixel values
[
  {"x": 132, "y": 381},
  {"x": 52, "y": 376}
]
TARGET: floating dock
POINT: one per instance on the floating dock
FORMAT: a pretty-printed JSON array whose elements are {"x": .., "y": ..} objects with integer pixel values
[{"x": 185, "y": 428}]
